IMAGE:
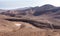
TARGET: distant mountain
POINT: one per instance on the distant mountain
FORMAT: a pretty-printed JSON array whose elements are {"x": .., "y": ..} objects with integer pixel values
[
  {"x": 47, "y": 7},
  {"x": 34, "y": 11},
  {"x": 1, "y": 10}
]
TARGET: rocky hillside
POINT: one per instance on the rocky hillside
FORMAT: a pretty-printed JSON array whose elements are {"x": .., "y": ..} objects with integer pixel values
[{"x": 33, "y": 21}]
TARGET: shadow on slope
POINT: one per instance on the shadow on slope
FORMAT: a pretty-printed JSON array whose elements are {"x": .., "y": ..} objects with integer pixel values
[{"x": 36, "y": 23}]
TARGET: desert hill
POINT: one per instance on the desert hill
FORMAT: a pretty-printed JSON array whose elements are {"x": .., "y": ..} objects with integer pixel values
[{"x": 32, "y": 21}]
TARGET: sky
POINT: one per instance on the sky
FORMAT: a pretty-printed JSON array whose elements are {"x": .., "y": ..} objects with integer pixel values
[{"x": 13, "y": 4}]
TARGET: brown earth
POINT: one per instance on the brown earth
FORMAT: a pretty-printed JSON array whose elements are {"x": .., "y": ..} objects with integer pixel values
[
  {"x": 34, "y": 21},
  {"x": 8, "y": 28}
]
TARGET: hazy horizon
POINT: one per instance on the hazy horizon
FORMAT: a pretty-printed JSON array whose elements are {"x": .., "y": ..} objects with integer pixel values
[{"x": 13, "y": 4}]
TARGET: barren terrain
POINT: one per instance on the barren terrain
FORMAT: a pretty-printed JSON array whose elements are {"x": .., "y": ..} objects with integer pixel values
[{"x": 34, "y": 21}]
